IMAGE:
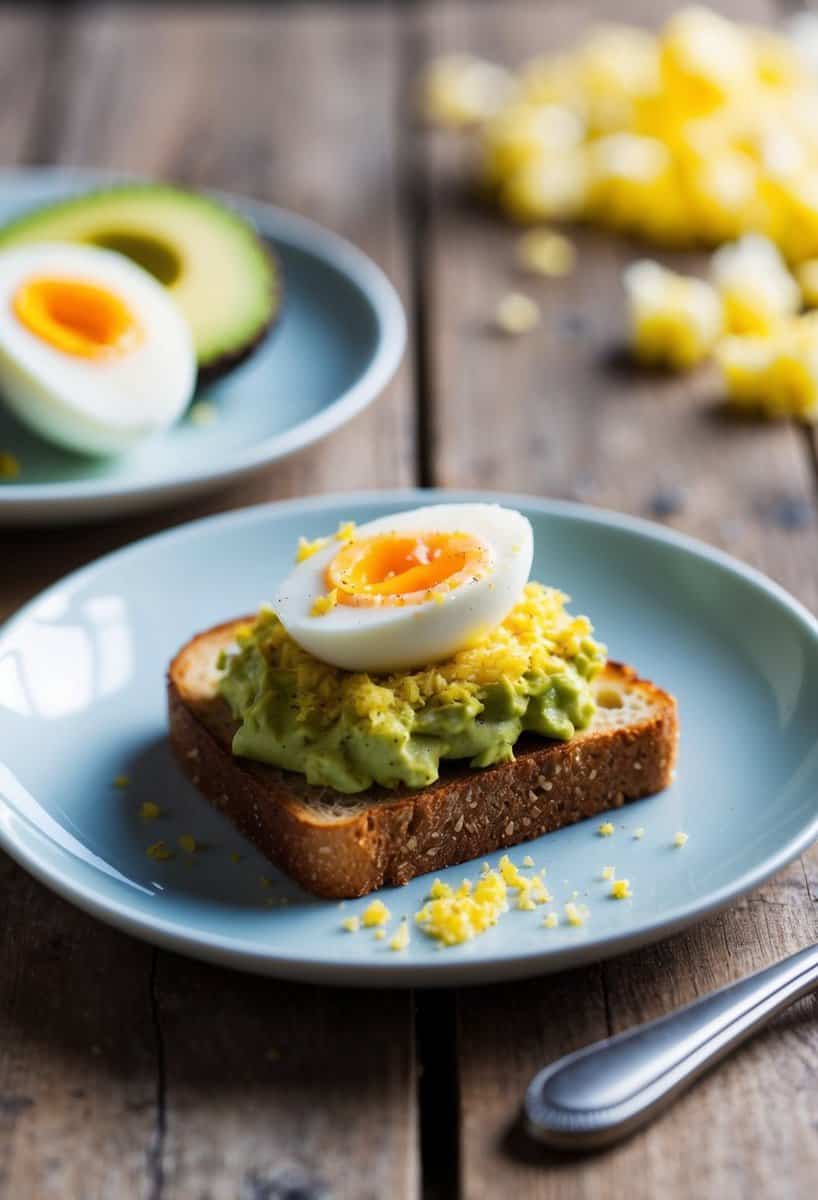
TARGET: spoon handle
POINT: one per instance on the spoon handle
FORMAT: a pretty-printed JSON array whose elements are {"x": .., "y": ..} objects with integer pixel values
[{"x": 606, "y": 1091}]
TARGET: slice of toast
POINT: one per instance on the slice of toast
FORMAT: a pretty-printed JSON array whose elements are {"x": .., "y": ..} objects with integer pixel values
[{"x": 341, "y": 846}]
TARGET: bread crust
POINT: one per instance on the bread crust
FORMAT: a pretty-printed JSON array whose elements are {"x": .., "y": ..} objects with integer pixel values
[{"x": 341, "y": 847}]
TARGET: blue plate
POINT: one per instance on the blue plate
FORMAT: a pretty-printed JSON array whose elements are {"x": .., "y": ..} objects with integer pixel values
[
  {"x": 338, "y": 342},
  {"x": 82, "y": 701}
]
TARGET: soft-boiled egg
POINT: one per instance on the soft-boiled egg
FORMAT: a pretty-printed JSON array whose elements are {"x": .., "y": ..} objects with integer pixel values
[
  {"x": 407, "y": 590},
  {"x": 94, "y": 354}
]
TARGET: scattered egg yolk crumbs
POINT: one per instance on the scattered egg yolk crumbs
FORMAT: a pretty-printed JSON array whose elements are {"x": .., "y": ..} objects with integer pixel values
[
  {"x": 187, "y": 842},
  {"x": 680, "y": 840},
  {"x": 159, "y": 852},
  {"x": 376, "y": 914},
  {"x": 454, "y": 915},
  {"x": 757, "y": 290},
  {"x": 551, "y": 920},
  {"x": 346, "y": 531},
  {"x": 606, "y": 829},
  {"x": 528, "y": 861},
  {"x": 696, "y": 134},
  {"x": 608, "y": 872},
  {"x": 543, "y": 252},
  {"x": 149, "y": 811},
  {"x": 516, "y": 314},
  {"x": 458, "y": 916},
  {"x": 621, "y": 889},
  {"x": 576, "y": 914},
  {"x": 639, "y": 833},
  {"x": 324, "y": 604},
  {"x": 351, "y": 924},
  {"x": 675, "y": 320},
  {"x": 121, "y": 782},
  {"x": 380, "y": 934},
  {"x": 307, "y": 548},
  {"x": 9, "y": 465},
  {"x": 775, "y": 374},
  {"x": 401, "y": 938}
]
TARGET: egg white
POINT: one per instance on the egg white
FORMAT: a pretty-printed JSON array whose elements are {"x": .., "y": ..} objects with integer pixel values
[
  {"x": 385, "y": 639},
  {"x": 94, "y": 406}
]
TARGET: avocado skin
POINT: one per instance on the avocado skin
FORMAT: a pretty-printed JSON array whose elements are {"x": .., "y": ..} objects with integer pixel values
[{"x": 212, "y": 368}]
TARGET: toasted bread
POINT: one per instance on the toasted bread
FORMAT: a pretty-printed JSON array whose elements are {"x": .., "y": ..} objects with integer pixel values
[{"x": 340, "y": 846}]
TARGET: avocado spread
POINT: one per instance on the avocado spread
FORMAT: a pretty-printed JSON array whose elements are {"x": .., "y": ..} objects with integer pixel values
[{"x": 348, "y": 731}]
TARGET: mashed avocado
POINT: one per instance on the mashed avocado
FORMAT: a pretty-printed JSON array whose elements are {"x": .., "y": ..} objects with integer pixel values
[{"x": 348, "y": 731}]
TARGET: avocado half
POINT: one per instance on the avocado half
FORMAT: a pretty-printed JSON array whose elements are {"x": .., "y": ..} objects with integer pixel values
[{"x": 223, "y": 277}]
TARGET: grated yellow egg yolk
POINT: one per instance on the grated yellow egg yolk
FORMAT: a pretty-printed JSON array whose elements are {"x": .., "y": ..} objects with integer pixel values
[
  {"x": 376, "y": 914},
  {"x": 76, "y": 317},
  {"x": 621, "y": 889},
  {"x": 394, "y": 569},
  {"x": 307, "y": 548}
]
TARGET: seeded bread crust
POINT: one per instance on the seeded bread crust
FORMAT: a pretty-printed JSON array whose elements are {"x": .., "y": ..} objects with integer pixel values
[{"x": 340, "y": 846}]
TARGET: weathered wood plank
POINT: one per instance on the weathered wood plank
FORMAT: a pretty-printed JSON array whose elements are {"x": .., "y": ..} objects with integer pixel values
[
  {"x": 554, "y": 414},
  {"x": 211, "y": 1083}
]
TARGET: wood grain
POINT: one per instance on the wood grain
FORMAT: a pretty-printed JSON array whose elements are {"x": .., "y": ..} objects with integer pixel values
[
  {"x": 126, "y": 1072},
  {"x": 562, "y": 413}
]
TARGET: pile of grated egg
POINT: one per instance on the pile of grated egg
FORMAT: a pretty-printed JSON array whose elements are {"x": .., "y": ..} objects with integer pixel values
[{"x": 705, "y": 133}]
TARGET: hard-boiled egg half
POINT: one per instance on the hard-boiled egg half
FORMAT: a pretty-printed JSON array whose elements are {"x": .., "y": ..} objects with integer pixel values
[
  {"x": 407, "y": 590},
  {"x": 94, "y": 355}
]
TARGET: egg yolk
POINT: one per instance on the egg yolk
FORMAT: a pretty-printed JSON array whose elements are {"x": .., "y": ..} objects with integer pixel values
[
  {"x": 76, "y": 317},
  {"x": 392, "y": 569}
]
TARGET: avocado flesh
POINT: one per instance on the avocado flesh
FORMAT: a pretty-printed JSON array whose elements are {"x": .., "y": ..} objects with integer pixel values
[{"x": 209, "y": 258}]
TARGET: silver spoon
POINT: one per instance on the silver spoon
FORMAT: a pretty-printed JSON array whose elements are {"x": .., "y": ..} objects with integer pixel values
[{"x": 606, "y": 1091}]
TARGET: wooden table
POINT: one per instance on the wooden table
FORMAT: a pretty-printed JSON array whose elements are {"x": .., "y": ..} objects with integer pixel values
[{"x": 129, "y": 1072}]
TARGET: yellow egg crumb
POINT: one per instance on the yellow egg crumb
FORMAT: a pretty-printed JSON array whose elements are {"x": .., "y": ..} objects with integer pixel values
[
  {"x": 376, "y": 914},
  {"x": 774, "y": 374},
  {"x": 675, "y": 320},
  {"x": 528, "y": 861},
  {"x": 351, "y": 924},
  {"x": 621, "y": 889},
  {"x": 307, "y": 548},
  {"x": 543, "y": 252},
  {"x": 265, "y": 881},
  {"x": 608, "y": 872},
  {"x": 551, "y": 920},
  {"x": 159, "y": 852},
  {"x": 576, "y": 914},
  {"x": 606, "y": 829},
  {"x": 324, "y": 604},
  {"x": 756, "y": 288},
  {"x": 345, "y": 531},
  {"x": 401, "y": 938},
  {"x": 453, "y": 917},
  {"x": 202, "y": 413},
  {"x": 460, "y": 90},
  {"x": 121, "y": 782},
  {"x": 380, "y": 934},
  {"x": 149, "y": 810},
  {"x": 235, "y": 857},
  {"x": 516, "y": 314},
  {"x": 187, "y": 842},
  {"x": 680, "y": 839},
  {"x": 639, "y": 832},
  {"x": 9, "y": 466}
]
